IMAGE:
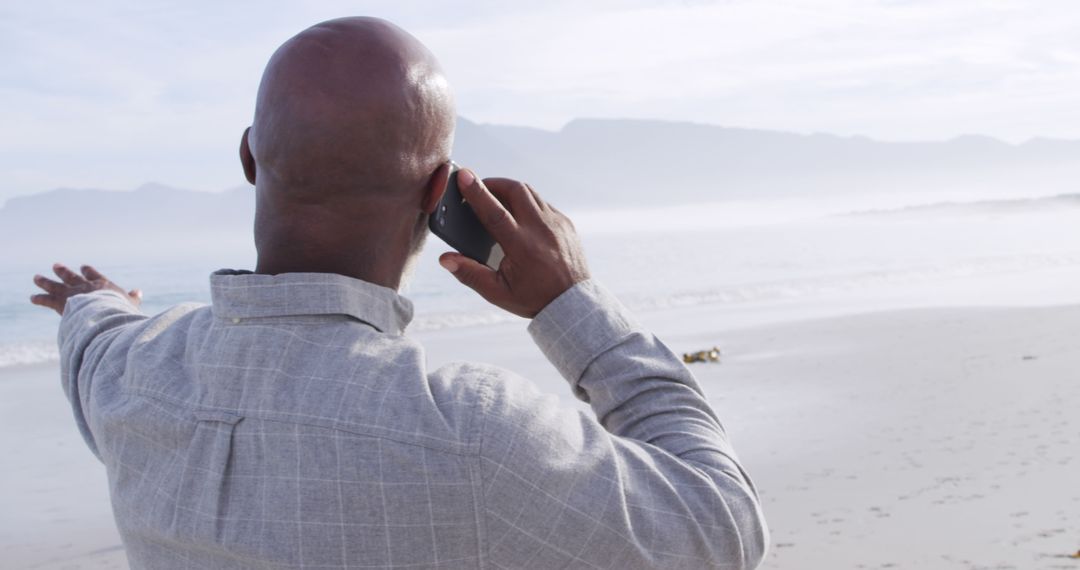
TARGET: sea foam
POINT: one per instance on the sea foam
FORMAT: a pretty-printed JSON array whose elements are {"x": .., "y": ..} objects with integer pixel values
[{"x": 28, "y": 352}]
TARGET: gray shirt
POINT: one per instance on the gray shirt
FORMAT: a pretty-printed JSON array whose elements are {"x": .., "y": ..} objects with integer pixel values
[{"x": 291, "y": 424}]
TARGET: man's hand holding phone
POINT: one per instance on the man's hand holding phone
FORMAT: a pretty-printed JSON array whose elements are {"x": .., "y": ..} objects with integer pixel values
[{"x": 543, "y": 255}]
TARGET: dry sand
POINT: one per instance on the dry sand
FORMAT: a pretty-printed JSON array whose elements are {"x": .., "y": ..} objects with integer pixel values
[
  {"x": 936, "y": 438},
  {"x": 917, "y": 439}
]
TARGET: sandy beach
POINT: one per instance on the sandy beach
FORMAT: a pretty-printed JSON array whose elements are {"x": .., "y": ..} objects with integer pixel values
[{"x": 922, "y": 438}]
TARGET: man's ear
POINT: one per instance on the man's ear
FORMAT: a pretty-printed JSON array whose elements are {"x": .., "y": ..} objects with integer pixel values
[
  {"x": 246, "y": 158},
  {"x": 436, "y": 186}
]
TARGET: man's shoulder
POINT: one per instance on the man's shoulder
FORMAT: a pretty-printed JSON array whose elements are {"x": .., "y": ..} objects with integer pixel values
[
  {"x": 496, "y": 395},
  {"x": 462, "y": 382},
  {"x": 480, "y": 382},
  {"x": 188, "y": 309},
  {"x": 175, "y": 320}
]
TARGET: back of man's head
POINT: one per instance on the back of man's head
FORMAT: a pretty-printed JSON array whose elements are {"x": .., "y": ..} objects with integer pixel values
[
  {"x": 353, "y": 120},
  {"x": 355, "y": 105}
]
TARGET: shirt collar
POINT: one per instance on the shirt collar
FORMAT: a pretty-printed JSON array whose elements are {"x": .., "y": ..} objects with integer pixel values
[{"x": 239, "y": 294}]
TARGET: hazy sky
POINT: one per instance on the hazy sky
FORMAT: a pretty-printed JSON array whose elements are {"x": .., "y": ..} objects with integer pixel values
[{"x": 112, "y": 94}]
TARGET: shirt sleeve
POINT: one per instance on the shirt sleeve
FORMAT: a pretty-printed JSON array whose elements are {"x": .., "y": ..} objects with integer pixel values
[
  {"x": 652, "y": 482},
  {"x": 89, "y": 329}
]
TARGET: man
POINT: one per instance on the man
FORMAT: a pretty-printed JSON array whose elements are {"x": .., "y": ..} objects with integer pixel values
[{"x": 290, "y": 424}]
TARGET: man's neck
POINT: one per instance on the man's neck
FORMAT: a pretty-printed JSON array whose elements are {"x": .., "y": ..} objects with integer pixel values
[
  {"x": 333, "y": 242},
  {"x": 273, "y": 263}
]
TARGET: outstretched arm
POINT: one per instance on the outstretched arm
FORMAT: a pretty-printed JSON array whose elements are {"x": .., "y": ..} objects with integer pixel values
[{"x": 94, "y": 311}]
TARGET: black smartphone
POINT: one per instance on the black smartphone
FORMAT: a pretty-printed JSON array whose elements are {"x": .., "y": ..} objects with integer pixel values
[{"x": 456, "y": 223}]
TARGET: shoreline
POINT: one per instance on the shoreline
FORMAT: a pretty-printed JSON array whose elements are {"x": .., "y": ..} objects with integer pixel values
[{"x": 738, "y": 306}]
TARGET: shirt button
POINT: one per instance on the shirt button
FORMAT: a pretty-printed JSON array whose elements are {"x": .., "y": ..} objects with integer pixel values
[{"x": 236, "y": 320}]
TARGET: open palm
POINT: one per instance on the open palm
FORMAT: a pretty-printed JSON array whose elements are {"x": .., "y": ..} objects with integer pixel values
[{"x": 57, "y": 292}]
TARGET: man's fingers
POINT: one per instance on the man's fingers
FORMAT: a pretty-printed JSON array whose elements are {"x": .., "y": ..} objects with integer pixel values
[
  {"x": 474, "y": 275},
  {"x": 50, "y": 286},
  {"x": 536, "y": 197},
  {"x": 68, "y": 276},
  {"x": 47, "y": 301},
  {"x": 495, "y": 218},
  {"x": 516, "y": 194},
  {"x": 91, "y": 273},
  {"x": 136, "y": 296}
]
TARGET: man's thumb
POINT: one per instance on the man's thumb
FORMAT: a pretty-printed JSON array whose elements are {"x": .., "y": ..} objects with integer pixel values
[
  {"x": 449, "y": 262},
  {"x": 471, "y": 274}
]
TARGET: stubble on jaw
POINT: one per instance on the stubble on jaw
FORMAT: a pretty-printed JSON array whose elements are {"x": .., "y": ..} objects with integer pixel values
[{"x": 419, "y": 239}]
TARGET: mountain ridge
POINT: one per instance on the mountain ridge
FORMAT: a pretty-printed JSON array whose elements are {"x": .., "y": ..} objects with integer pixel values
[
  {"x": 599, "y": 164},
  {"x": 532, "y": 153}
]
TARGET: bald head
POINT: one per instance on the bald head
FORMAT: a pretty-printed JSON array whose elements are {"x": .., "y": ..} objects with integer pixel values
[
  {"x": 355, "y": 106},
  {"x": 348, "y": 151}
]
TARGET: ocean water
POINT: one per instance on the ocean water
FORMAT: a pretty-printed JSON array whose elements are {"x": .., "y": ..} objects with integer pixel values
[{"x": 1021, "y": 253}]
